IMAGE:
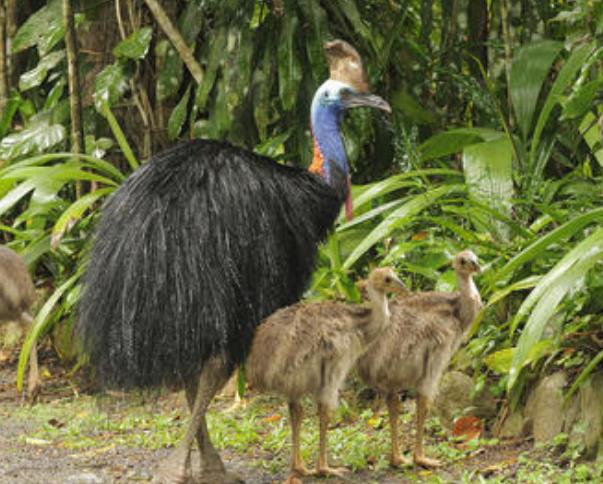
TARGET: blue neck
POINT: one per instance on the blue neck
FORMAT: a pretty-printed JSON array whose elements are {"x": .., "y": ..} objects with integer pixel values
[{"x": 325, "y": 128}]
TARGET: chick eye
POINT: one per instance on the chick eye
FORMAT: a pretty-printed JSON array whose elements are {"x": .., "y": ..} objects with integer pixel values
[
  {"x": 463, "y": 261},
  {"x": 388, "y": 279}
]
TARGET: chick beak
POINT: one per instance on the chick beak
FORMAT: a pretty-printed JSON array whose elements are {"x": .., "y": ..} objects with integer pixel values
[
  {"x": 400, "y": 287},
  {"x": 359, "y": 99},
  {"x": 476, "y": 266}
]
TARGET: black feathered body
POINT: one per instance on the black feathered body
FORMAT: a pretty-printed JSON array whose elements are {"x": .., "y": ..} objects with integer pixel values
[{"x": 191, "y": 253}]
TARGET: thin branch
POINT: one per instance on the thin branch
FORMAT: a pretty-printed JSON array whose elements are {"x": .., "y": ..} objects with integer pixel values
[
  {"x": 176, "y": 39},
  {"x": 3, "y": 59},
  {"x": 506, "y": 28},
  {"x": 75, "y": 102}
]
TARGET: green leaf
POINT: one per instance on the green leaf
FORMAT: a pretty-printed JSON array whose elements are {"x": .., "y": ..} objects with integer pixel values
[
  {"x": 16, "y": 194},
  {"x": 571, "y": 66},
  {"x": 120, "y": 137},
  {"x": 73, "y": 213},
  {"x": 500, "y": 361},
  {"x": 289, "y": 66},
  {"x": 36, "y": 76},
  {"x": 592, "y": 135},
  {"x": 262, "y": 83},
  {"x": 41, "y": 321},
  {"x": 136, "y": 45},
  {"x": 375, "y": 190},
  {"x": 529, "y": 70},
  {"x": 178, "y": 115},
  {"x": 584, "y": 374},
  {"x": 317, "y": 19},
  {"x": 582, "y": 100},
  {"x": 406, "y": 104},
  {"x": 10, "y": 109},
  {"x": 215, "y": 58},
  {"x": 488, "y": 173},
  {"x": 35, "y": 139},
  {"x": 40, "y": 28},
  {"x": 171, "y": 72},
  {"x": 557, "y": 236},
  {"x": 398, "y": 218},
  {"x": 110, "y": 85},
  {"x": 455, "y": 140},
  {"x": 546, "y": 296}
]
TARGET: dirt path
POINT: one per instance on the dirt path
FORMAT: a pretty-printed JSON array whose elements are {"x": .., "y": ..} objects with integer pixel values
[{"x": 73, "y": 438}]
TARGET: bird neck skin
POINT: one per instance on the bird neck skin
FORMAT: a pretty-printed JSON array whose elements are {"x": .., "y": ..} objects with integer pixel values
[
  {"x": 471, "y": 302},
  {"x": 329, "y": 160},
  {"x": 380, "y": 313}
]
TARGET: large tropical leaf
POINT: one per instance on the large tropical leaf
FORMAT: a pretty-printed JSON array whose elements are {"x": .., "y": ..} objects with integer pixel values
[
  {"x": 571, "y": 66},
  {"x": 545, "y": 297},
  {"x": 488, "y": 172},
  {"x": 529, "y": 70},
  {"x": 455, "y": 140},
  {"x": 31, "y": 140}
]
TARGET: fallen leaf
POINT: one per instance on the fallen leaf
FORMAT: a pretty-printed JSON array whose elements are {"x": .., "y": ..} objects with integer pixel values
[
  {"x": 468, "y": 428},
  {"x": 491, "y": 469},
  {"x": 93, "y": 452},
  {"x": 35, "y": 441},
  {"x": 273, "y": 418}
]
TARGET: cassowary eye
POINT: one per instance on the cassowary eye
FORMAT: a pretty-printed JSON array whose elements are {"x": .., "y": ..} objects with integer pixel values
[
  {"x": 388, "y": 279},
  {"x": 463, "y": 261}
]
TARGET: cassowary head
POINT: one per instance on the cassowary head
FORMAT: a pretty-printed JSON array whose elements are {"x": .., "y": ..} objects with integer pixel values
[
  {"x": 466, "y": 263},
  {"x": 345, "y": 89}
]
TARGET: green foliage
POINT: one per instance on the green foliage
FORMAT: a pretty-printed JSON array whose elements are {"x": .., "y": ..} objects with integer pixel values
[{"x": 512, "y": 171}]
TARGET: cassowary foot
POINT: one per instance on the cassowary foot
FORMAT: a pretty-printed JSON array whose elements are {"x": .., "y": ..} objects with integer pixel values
[
  {"x": 427, "y": 462},
  {"x": 173, "y": 470},
  {"x": 302, "y": 471},
  {"x": 399, "y": 460},
  {"x": 222, "y": 477},
  {"x": 331, "y": 471}
]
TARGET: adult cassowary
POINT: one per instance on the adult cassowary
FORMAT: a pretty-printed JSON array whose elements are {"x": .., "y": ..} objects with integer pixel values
[{"x": 195, "y": 249}]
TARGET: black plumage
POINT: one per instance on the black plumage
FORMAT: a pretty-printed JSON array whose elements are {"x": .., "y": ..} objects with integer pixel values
[{"x": 191, "y": 253}]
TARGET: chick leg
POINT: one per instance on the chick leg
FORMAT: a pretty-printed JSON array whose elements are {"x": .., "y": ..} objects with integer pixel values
[
  {"x": 419, "y": 456},
  {"x": 33, "y": 384},
  {"x": 298, "y": 467},
  {"x": 396, "y": 458},
  {"x": 322, "y": 467},
  {"x": 173, "y": 470}
]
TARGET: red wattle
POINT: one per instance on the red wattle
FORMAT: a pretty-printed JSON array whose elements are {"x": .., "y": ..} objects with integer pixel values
[{"x": 349, "y": 212}]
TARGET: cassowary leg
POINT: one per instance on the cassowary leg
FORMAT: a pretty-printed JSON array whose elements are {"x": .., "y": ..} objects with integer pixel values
[
  {"x": 322, "y": 467},
  {"x": 419, "y": 455},
  {"x": 396, "y": 458},
  {"x": 174, "y": 469},
  {"x": 298, "y": 467},
  {"x": 33, "y": 384}
]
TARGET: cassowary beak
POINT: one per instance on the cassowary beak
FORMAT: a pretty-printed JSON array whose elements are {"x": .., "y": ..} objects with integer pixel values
[
  {"x": 359, "y": 99},
  {"x": 476, "y": 266}
]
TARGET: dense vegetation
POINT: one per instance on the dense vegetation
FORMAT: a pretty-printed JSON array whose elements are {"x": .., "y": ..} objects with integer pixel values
[{"x": 495, "y": 143}]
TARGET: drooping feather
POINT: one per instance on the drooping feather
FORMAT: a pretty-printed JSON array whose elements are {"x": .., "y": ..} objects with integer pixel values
[{"x": 191, "y": 253}]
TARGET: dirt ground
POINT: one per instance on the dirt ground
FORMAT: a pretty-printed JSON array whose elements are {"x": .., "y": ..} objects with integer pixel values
[{"x": 27, "y": 458}]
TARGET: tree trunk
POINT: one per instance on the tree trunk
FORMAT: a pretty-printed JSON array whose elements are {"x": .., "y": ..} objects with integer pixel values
[
  {"x": 477, "y": 16},
  {"x": 75, "y": 103},
  {"x": 3, "y": 59}
]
